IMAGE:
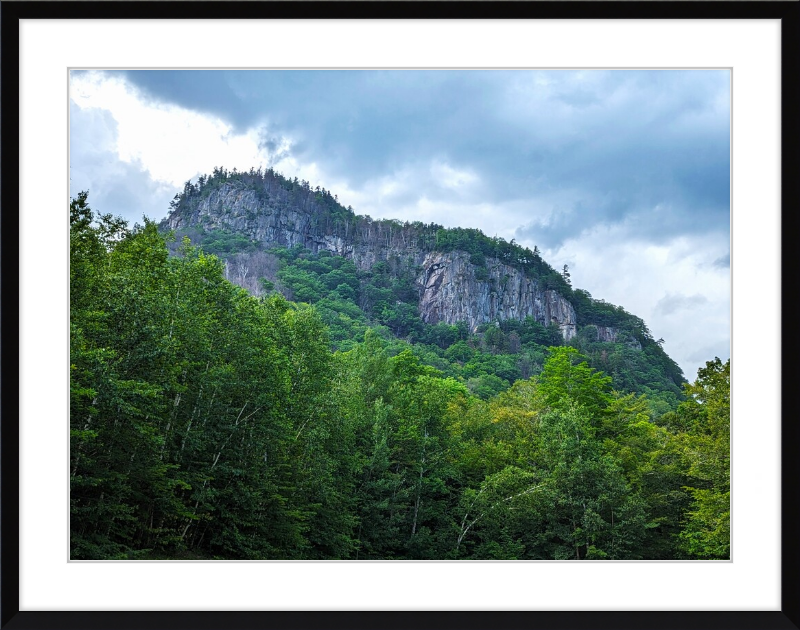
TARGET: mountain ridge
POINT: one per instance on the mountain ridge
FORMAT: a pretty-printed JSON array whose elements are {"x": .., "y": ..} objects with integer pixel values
[
  {"x": 487, "y": 279},
  {"x": 404, "y": 275}
]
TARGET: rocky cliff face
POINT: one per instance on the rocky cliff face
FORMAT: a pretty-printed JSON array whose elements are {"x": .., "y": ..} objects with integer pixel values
[
  {"x": 607, "y": 333},
  {"x": 614, "y": 335},
  {"x": 452, "y": 292},
  {"x": 451, "y": 289},
  {"x": 274, "y": 222},
  {"x": 238, "y": 209}
]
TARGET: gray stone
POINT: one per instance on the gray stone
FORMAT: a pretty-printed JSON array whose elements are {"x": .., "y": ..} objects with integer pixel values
[{"x": 449, "y": 290}]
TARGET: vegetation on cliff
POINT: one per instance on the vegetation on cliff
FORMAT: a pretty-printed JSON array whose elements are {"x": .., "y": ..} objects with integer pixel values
[
  {"x": 385, "y": 295},
  {"x": 209, "y": 423}
]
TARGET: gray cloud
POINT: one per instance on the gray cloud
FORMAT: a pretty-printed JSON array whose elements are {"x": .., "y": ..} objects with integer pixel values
[
  {"x": 721, "y": 349},
  {"x": 115, "y": 187},
  {"x": 562, "y": 160},
  {"x": 649, "y": 150},
  {"x": 276, "y": 147},
  {"x": 673, "y": 302},
  {"x": 723, "y": 262}
]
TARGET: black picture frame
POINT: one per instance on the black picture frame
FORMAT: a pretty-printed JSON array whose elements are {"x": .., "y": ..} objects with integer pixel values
[{"x": 788, "y": 12}]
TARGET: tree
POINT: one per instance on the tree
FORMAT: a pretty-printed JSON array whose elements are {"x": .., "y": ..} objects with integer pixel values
[
  {"x": 591, "y": 512},
  {"x": 207, "y": 423},
  {"x": 707, "y": 442},
  {"x": 566, "y": 379}
]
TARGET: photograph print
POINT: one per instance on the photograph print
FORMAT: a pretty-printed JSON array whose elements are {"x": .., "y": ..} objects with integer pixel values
[{"x": 400, "y": 314}]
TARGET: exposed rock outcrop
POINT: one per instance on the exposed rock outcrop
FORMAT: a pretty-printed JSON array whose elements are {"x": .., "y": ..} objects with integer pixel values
[
  {"x": 273, "y": 221},
  {"x": 451, "y": 288},
  {"x": 614, "y": 335},
  {"x": 452, "y": 292},
  {"x": 607, "y": 333}
]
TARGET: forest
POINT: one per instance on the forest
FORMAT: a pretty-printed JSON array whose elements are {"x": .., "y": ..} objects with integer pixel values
[
  {"x": 210, "y": 423},
  {"x": 385, "y": 296}
]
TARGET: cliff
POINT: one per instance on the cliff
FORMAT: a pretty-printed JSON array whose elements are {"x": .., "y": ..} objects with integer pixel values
[
  {"x": 451, "y": 292},
  {"x": 450, "y": 285}
]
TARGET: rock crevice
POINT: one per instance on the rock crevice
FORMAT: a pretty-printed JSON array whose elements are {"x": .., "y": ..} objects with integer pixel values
[{"x": 452, "y": 292}]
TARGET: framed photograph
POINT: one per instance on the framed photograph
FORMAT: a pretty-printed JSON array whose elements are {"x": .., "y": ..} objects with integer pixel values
[{"x": 727, "y": 70}]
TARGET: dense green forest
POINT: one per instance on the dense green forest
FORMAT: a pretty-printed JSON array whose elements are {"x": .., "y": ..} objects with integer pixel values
[
  {"x": 488, "y": 360},
  {"x": 208, "y": 423},
  {"x": 385, "y": 297}
]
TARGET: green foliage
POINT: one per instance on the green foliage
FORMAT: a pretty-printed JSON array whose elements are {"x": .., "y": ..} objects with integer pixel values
[
  {"x": 208, "y": 423},
  {"x": 331, "y": 218},
  {"x": 532, "y": 332},
  {"x": 479, "y": 247},
  {"x": 634, "y": 367},
  {"x": 200, "y": 422},
  {"x": 487, "y": 385},
  {"x": 223, "y": 242},
  {"x": 708, "y": 531},
  {"x": 388, "y": 297},
  {"x": 567, "y": 380},
  {"x": 707, "y": 444}
]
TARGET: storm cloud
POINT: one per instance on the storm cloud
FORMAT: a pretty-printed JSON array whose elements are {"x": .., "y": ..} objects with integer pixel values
[
  {"x": 646, "y": 150},
  {"x": 672, "y": 303},
  {"x": 603, "y": 170}
]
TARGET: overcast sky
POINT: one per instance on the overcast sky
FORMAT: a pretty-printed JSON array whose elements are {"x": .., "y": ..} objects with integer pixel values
[{"x": 622, "y": 175}]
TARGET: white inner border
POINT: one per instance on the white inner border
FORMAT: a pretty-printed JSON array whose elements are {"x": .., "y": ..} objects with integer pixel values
[{"x": 750, "y": 582}]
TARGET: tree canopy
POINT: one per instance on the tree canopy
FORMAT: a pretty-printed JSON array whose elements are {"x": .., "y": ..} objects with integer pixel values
[{"x": 208, "y": 423}]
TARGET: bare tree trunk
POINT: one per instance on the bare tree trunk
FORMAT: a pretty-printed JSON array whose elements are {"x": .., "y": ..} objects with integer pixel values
[
  {"x": 465, "y": 527},
  {"x": 419, "y": 488}
]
